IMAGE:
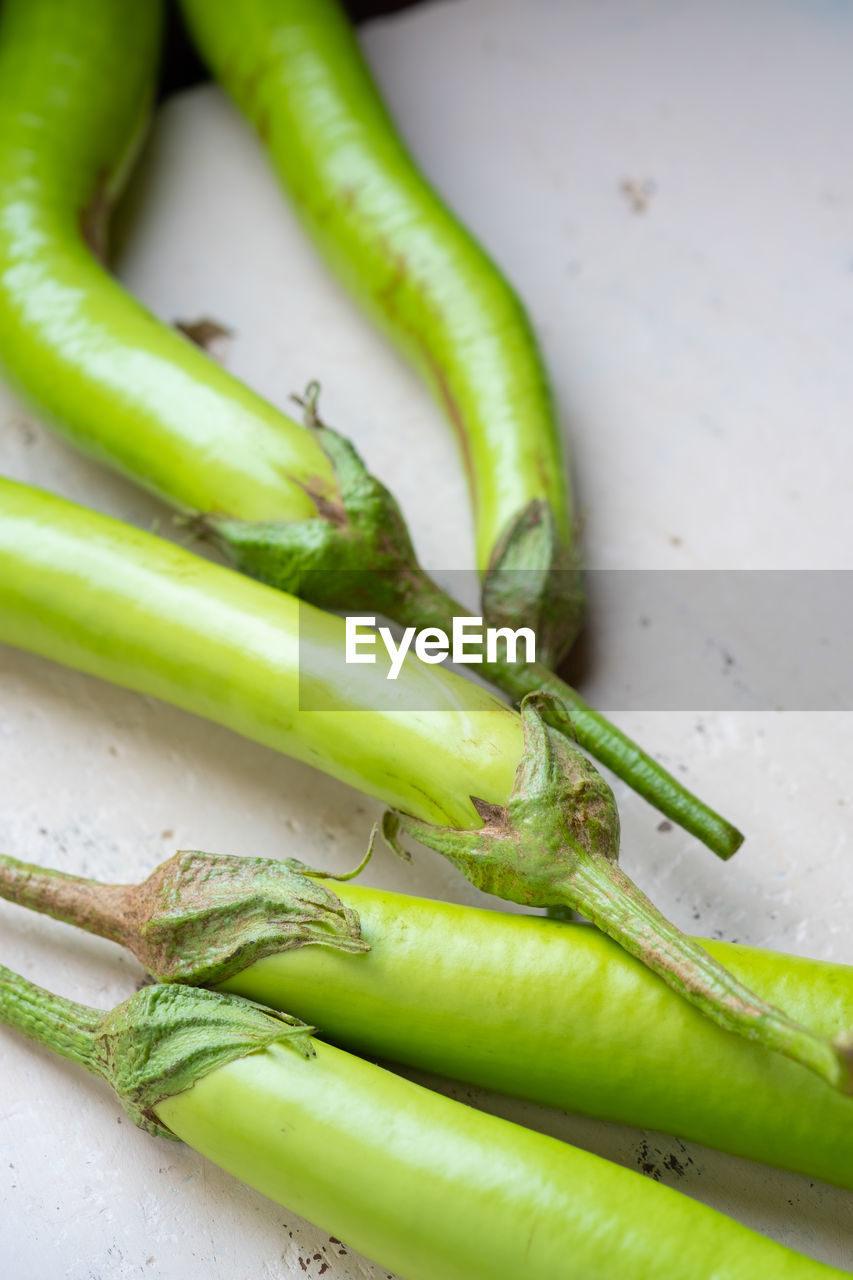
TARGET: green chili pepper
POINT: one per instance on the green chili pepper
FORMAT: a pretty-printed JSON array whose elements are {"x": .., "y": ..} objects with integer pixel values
[
  {"x": 513, "y": 804},
  {"x": 135, "y": 394},
  {"x": 128, "y": 389},
  {"x": 295, "y": 69},
  {"x": 425, "y": 1185},
  {"x": 545, "y": 1010}
]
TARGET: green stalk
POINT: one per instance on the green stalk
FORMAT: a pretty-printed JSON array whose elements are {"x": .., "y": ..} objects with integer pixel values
[
  {"x": 154, "y": 1045},
  {"x": 426, "y": 605},
  {"x": 67, "y": 1028},
  {"x": 376, "y": 569},
  {"x": 556, "y": 843}
]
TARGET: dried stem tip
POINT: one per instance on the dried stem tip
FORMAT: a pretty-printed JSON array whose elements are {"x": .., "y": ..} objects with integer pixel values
[{"x": 199, "y": 918}]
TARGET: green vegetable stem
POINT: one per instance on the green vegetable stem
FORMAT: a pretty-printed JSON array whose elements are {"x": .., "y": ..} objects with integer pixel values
[
  {"x": 364, "y": 536},
  {"x": 294, "y": 507},
  {"x": 422, "y": 1184},
  {"x": 512, "y": 803},
  {"x": 548, "y": 1011},
  {"x": 295, "y": 69}
]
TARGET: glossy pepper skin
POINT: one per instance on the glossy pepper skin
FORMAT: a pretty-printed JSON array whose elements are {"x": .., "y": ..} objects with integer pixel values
[
  {"x": 559, "y": 1014},
  {"x": 123, "y": 386},
  {"x": 295, "y": 69},
  {"x": 100, "y": 596},
  {"x": 438, "y": 1191},
  {"x": 420, "y": 1183}
]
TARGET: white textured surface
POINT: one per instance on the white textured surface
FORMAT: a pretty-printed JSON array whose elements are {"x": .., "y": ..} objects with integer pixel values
[{"x": 700, "y": 352}]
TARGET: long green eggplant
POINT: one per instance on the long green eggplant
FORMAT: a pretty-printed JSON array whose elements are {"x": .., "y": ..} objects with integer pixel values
[
  {"x": 425, "y": 1185},
  {"x": 295, "y": 69},
  {"x": 76, "y": 84}
]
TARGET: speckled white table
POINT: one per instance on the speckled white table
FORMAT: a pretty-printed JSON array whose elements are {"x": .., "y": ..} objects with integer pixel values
[{"x": 700, "y": 351}]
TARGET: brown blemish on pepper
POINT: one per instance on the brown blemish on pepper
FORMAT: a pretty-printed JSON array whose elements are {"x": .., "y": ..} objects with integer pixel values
[
  {"x": 454, "y": 413},
  {"x": 247, "y": 83},
  {"x": 542, "y": 474},
  {"x": 348, "y": 197},
  {"x": 92, "y": 219},
  {"x": 395, "y": 280}
]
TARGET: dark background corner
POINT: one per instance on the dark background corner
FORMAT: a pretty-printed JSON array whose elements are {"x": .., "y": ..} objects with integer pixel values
[{"x": 182, "y": 67}]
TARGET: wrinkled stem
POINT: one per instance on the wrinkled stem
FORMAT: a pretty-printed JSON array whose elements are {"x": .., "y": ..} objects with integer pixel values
[
  {"x": 62, "y": 1025},
  {"x": 427, "y": 605},
  {"x": 613, "y": 748},
  {"x": 154, "y": 1045},
  {"x": 556, "y": 843},
  {"x": 198, "y": 918},
  {"x": 602, "y": 892},
  {"x": 98, "y": 908}
]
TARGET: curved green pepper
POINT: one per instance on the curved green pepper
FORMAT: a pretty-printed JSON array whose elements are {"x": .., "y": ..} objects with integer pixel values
[
  {"x": 127, "y": 389},
  {"x": 295, "y": 69},
  {"x": 425, "y": 1185}
]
